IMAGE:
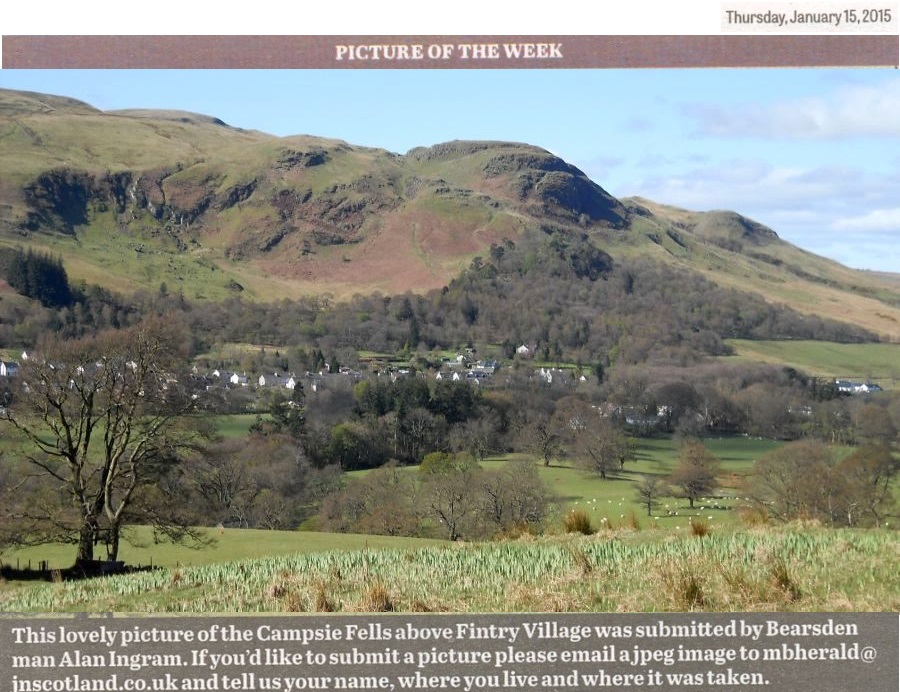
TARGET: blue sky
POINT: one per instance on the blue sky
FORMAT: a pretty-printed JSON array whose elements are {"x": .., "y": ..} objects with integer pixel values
[{"x": 812, "y": 153}]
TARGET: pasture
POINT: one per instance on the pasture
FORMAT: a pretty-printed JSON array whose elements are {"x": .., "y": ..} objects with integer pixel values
[
  {"x": 610, "y": 503},
  {"x": 613, "y": 502},
  {"x": 631, "y": 563},
  {"x": 876, "y": 362}
]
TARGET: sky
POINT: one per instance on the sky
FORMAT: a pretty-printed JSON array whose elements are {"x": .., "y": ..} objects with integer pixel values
[{"x": 812, "y": 153}]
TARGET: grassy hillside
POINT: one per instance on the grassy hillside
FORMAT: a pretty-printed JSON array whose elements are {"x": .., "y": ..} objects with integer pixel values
[
  {"x": 764, "y": 569},
  {"x": 879, "y": 363},
  {"x": 736, "y": 252},
  {"x": 135, "y": 198}
]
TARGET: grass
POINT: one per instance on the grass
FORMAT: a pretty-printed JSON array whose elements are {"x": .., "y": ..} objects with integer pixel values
[
  {"x": 229, "y": 544},
  {"x": 615, "y": 559},
  {"x": 125, "y": 262},
  {"x": 878, "y": 363},
  {"x": 613, "y": 501},
  {"x": 600, "y": 503},
  {"x": 801, "y": 568},
  {"x": 235, "y": 425}
]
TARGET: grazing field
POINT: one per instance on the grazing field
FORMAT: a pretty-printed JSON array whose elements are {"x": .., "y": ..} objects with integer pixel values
[
  {"x": 235, "y": 425},
  {"x": 879, "y": 363},
  {"x": 609, "y": 503},
  {"x": 675, "y": 560},
  {"x": 614, "y": 502},
  {"x": 798, "y": 568}
]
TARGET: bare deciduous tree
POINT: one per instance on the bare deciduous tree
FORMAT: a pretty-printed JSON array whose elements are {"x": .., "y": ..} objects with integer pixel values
[
  {"x": 100, "y": 421},
  {"x": 649, "y": 490},
  {"x": 696, "y": 473}
]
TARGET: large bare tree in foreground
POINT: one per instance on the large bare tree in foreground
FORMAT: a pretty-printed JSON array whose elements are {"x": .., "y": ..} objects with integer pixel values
[{"x": 101, "y": 422}]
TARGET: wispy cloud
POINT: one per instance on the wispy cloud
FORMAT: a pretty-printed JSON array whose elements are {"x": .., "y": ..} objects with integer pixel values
[
  {"x": 836, "y": 210},
  {"x": 741, "y": 184},
  {"x": 598, "y": 168},
  {"x": 877, "y": 220},
  {"x": 850, "y": 111}
]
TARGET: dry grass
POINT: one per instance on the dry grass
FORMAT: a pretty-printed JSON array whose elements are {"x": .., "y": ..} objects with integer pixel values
[
  {"x": 377, "y": 599},
  {"x": 683, "y": 585},
  {"x": 582, "y": 562},
  {"x": 783, "y": 579},
  {"x": 800, "y": 568},
  {"x": 322, "y": 601},
  {"x": 578, "y": 521},
  {"x": 699, "y": 528}
]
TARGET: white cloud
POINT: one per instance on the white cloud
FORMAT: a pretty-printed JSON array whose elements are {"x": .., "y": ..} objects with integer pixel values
[
  {"x": 887, "y": 220},
  {"x": 851, "y": 111},
  {"x": 837, "y": 211},
  {"x": 859, "y": 251},
  {"x": 743, "y": 184}
]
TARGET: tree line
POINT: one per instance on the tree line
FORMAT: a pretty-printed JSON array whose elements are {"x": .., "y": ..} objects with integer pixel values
[
  {"x": 108, "y": 431},
  {"x": 117, "y": 432},
  {"x": 556, "y": 291}
]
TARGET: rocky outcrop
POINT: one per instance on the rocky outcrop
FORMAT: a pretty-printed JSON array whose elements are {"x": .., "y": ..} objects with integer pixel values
[{"x": 58, "y": 200}]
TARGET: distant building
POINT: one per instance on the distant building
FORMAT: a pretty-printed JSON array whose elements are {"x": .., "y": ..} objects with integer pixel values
[{"x": 848, "y": 387}]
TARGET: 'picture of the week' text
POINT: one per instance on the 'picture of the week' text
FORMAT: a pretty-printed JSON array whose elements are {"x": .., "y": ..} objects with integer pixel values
[{"x": 447, "y": 51}]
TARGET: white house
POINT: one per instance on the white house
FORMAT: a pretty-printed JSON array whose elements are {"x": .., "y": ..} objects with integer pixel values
[{"x": 276, "y": 380}]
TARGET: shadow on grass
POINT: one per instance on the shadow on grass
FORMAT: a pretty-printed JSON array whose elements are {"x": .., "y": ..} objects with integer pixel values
[{"x": 84, "y": 569}]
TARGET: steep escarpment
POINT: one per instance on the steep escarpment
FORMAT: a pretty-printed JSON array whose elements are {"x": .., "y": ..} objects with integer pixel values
[
  {"x": 135, "y": 198},
  {"x": 529, "y": 178},
  {"x": 299, "y": 208}
]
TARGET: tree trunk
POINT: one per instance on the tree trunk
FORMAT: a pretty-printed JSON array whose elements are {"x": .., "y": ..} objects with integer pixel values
[
  {"x": 86, "y": 542},
  {"x": 113, "y": 550}
]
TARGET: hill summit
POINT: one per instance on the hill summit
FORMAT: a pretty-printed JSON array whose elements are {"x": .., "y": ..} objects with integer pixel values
[{"x": 137, "y": 197}]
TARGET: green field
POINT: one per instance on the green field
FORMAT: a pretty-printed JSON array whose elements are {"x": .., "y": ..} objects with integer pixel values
[
  {"x": 879, "y": 363},
  {"x": 613, "y": 501},
  {"x": 227, "y": 545},
  {"x": 235, "y": 425},
  {"x": 610, "y": 503}
]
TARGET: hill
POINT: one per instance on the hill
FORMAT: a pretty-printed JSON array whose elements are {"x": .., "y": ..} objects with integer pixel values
[{"x": 132, "y": 199}]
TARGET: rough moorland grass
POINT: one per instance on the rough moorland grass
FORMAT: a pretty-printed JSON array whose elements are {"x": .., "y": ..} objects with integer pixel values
[{"x": 791, "y": 568}]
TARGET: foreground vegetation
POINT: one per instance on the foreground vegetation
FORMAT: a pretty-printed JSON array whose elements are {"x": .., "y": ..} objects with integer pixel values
[{"x": 802, "y": 568}]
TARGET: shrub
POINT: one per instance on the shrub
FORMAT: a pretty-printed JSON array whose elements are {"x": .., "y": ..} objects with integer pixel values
[
  {"x": 578, "y": 521},
  {"x": 700, "y": 528}
]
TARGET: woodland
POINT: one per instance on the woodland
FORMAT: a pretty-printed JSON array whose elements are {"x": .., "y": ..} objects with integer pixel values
[{"x": 636, "y": 348}]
